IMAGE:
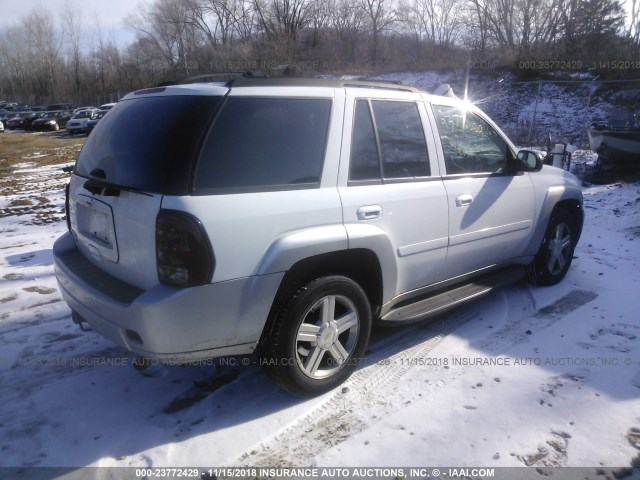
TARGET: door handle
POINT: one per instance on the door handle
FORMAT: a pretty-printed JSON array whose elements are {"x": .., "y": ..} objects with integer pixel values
[
  {"x": 464, "y": 200},
  {"x": 369, "y": 212}
]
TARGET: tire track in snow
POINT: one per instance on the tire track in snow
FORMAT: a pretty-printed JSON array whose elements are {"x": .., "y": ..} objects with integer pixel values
[
  {"x": 351, "y": 408},
  {"x": 531, "y": 318},
  {"x": 345, "y": 412}
]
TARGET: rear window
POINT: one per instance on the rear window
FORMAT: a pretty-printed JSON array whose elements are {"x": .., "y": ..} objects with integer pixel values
[
  {"x": 149, "y": 143},
  {"x": 261, "y": 144}
]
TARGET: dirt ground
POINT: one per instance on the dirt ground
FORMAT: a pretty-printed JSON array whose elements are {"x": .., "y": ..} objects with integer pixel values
[{"x": 31, "y": 172}]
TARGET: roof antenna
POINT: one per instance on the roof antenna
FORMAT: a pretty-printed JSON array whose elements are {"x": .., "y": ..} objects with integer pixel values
[{"x": 445, "y": 90}]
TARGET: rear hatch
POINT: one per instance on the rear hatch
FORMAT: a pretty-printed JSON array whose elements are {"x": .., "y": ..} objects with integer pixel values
[{"x": 142, "y": 150}]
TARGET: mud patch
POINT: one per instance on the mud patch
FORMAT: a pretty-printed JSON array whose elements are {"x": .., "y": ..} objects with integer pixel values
[
  {"x": 570, "y": 302},
  {"x": 40, "y": 290},
  {"x": 64, "y": 338},
  {"x": 41, "y": 304},
  {"x": 199, "y": 392},
  {"x": 9, "y": 298},
  {"x": 633, "y": 437},
  {"x": 552, "y": 454},
  {"x": 21, "y": 202}
]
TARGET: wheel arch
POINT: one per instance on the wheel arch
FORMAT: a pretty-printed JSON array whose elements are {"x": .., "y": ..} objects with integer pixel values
[
  {"x": 558, "y": 197},
  {"x": 360, "y": 265},
  {"x": 574, "y": 207}
]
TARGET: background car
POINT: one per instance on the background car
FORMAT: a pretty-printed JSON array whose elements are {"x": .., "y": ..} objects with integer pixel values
[
  {"x": 80, "y": 109},
  {"x": 52, "y": 121},
  {"x": 61, "y": 106},
  {"x": 28, "y": 121},
  {"x": 5, "y": 115},
  {"x": 17, "y": 122},
  {"x": 1, "y": 127},
  {"x": 78, "y": 124},
  {"x": 94, "y": 120}
]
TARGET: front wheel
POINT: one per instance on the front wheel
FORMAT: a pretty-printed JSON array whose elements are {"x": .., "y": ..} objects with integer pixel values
[
  {"x": 556, "y": 252},
  {"x": 318, "y": 337}
]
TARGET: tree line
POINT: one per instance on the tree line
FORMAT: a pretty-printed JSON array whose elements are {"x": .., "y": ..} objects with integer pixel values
[{"x": 48, "y": 56}]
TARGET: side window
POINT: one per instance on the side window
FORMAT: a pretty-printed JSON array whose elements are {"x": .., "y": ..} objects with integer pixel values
[
  {"x": 402, "y": 143},
  {"x": 389, "y": 145},
  {"x": 364, "y": 164},
  {"x": 469, "y": 143},
  {"x": 259, "y": 144}
]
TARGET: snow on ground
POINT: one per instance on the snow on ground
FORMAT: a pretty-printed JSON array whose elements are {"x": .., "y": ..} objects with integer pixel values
[{"x": 527, "y": 376}]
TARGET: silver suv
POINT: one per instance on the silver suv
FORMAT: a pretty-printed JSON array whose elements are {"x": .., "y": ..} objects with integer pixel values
[{"x": 283, "y": 217}]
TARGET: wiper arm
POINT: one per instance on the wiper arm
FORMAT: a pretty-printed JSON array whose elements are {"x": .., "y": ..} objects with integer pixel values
[{"x": 102, "y": 187}]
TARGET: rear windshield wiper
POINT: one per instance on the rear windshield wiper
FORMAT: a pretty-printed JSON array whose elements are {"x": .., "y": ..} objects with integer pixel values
[{"x": 98, "y": 185}]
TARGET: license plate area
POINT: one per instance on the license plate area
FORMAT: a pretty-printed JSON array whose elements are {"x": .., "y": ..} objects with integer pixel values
[{"x": 94, "y": 226}]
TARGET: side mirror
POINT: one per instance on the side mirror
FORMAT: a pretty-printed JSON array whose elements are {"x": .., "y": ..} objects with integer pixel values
[{"x": 529, "y": 161}]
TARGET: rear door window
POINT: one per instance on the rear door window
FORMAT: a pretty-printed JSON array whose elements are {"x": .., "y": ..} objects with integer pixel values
[
  {"x": 261, "y": 144},
  {"x": 402, "y": 143},
  {"x": 388, "y": 142},
  {"x": 365, "y": 163}
]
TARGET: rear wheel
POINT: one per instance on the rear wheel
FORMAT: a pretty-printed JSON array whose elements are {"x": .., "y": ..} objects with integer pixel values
[
  {"x": 556, "y": 252},
  {"x": 318, "y": 337}
]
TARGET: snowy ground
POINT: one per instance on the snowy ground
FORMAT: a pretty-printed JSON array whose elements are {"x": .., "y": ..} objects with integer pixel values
[{"x": 527, "y": 376}]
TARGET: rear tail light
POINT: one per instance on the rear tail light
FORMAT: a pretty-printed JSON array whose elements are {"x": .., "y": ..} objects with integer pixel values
[
  {"x": 183, "y": 254},
  {"x": 66, "y": 206}
]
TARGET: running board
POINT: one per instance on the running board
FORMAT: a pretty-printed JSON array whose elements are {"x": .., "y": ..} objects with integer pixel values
[{"x": 439, "y": 302}]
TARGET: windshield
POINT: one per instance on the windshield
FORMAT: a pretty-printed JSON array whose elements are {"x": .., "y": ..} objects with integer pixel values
[
  {"x": 84, "y": 114},
  {"x": 149, "y": 143}
]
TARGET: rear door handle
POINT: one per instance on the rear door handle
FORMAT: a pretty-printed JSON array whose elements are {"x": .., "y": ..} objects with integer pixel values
[
  {"x": 369, "y": 212},
  {"x": 464, "y": 200}
]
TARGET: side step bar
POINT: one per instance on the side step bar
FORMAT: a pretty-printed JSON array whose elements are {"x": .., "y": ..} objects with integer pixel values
[{"x": 439, "y": 302}]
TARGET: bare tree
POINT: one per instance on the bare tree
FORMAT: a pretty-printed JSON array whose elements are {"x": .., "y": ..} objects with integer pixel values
[
  {"x": 434, "y": 21},
  {"x": 44, "y": 41},
  {"x": 517, "y": 26},
  {"x": 380, "y": 16},
  {"x": 588, "y": 24},
  {"x": 72, "y": 19},
  {"x": 282, "y": 21},
  {"x": 15, "y": 71},
  {"x": 634, "y": 26},
  {"x": 348, "y": 20},
  {"x": 169, "y": 24},
  {"x": 224, "y": 15}
]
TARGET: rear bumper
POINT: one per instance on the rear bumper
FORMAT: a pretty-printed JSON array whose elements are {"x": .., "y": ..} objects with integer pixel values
[
  {"x": 45, "y": 128},
  {"x": 167, "y": 323}
]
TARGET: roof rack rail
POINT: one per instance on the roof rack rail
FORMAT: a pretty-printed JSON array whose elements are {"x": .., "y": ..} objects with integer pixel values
[
  {"x": 214, "y": 77},
  {"x": 384, "y": 84}
]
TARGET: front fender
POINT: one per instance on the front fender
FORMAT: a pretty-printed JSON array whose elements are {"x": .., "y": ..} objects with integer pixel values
[{"x": 552, "y": 197}]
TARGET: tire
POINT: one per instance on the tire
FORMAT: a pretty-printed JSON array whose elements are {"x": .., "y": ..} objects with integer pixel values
[
  {"x": 318, "y": 337},
  {"x": 556, "y": 252}
]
